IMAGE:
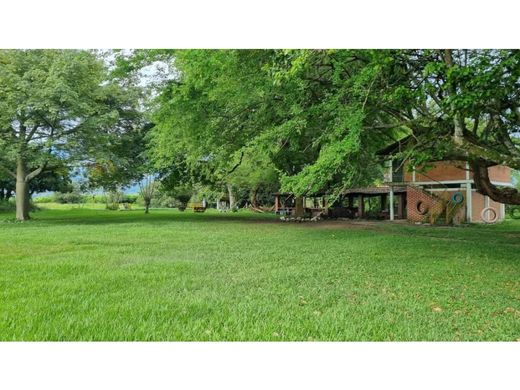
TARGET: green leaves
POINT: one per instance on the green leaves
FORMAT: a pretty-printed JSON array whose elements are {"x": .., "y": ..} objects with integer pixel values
[
  {"x": 61, "y": 105},
  {"x": 321, "y": 116}
]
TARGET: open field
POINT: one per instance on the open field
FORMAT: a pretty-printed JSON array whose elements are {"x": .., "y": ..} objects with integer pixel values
[{"x": 86, "y": 274}]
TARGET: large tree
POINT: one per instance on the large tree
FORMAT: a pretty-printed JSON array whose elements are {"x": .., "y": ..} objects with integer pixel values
[
  {"x": 124, "y": 161},
  {"x": 227, "y": 107},
  {"x": 52, "y": 178},
  {"x": 467, "y": 107},
  {"x": 206, "y": 115},
  {"x": 450, "y": 104},
  {"x": 322, "y": 115},
  {"x": 57, "y": 104}
]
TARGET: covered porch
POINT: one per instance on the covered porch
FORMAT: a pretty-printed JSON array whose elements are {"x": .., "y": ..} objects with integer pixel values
[
  {"x": 285, "y": 204},
  {"x": 384, "y": 202}
]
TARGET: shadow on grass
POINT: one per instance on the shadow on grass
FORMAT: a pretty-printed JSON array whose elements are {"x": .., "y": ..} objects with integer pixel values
[
  {"x": 157, "y": 216},
  {"x": 495, "y": 236}
]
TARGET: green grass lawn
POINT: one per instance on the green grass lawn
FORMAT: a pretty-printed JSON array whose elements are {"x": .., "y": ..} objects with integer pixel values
[{"x": 85, "y": 274}]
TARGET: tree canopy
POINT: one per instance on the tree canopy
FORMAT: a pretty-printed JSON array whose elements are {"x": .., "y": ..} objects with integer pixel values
[
  {"x": 322, "y": 115},
  {"x": 307, "y": 121},
  {"x": 58, "y": 105}
]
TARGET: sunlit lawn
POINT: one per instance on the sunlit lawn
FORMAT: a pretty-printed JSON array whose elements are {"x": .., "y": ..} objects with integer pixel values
[{"x": 86, "y": 274}]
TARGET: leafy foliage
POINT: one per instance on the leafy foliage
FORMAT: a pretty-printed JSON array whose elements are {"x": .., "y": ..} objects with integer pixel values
[
  {"x": 147, "y": 189},
  {"x": 58, "y": 105},
  {"x": 68, "y": 197},
  {"x": 228, "y": 110},
  {"x": 54, "y": 177},
  {"x": 321, "y": 116}
]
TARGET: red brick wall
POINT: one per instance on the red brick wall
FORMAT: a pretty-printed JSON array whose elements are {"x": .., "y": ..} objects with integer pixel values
[
  {"x": 498, "y": 207},
  {"x": 408, "y": 176},
  {"x": 460, "y": 216},
  {"x": 500, "y": 173},
  {"x": 442, "y": 170},
  {"x": 415, "y": 195},
  {"x": 455, "y": 170},
  {"x": 479, "y": 203}
]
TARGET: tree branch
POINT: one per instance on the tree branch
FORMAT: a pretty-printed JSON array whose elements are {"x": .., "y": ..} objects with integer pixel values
[
  {"x": 237, "y": 165},
  {"x": 458, "y": 122},
  {"x": 11, "y": 173},
  {"x": 31, "y": 133},
  {"x": 485, "y": 187},
  {"x": 36, "y": 172},
  {"x": 39, "y": 170}
]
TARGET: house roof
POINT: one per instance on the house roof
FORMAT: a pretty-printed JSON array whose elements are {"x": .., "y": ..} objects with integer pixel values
[
  {"x": 360, "y": 191},
  {"x": 373, "y": 190}
]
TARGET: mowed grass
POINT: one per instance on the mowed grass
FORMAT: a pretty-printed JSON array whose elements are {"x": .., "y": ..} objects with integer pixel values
[{"x": 87, "y": 274}]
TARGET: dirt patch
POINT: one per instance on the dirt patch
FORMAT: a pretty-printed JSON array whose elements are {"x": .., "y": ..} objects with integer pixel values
[{"x": 348, "y": 224}]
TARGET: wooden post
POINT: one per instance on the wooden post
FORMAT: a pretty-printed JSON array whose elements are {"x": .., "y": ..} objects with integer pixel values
[
  {"x": 383, "y": 202},
  {"x": 299, "y": 207},
  {"x": 361, "y": 206},
  {"x": 325, "y": 210},
  {"x": 276, "y": 203},
  {"x": 392, "y": 217},
  {"x": 469, "y": 204},
  {"x": 400, "y": 206},
  {"x": 391, "y": 179}
]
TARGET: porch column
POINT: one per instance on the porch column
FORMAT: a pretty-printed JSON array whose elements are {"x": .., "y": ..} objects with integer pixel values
[
  {"x": 469, "y": 205},
  {"x": 469, "y": 198},
  {"x": 391, "y": 203},
  {"x": 361, "y": 206},
  {"x": 400, "y": 206}
]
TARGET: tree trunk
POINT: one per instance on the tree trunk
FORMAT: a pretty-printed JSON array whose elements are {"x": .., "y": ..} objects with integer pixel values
[
  {"x": 254, "y": 201},
  {"x": 146, "y": 206},
  {"x": 485, "y": 187},
  {"x": 299, "y": 210},
  {"x": 231, "y": 197},
  {"x": 458, "y": 122},
  {"x": 22, "y": 191}
]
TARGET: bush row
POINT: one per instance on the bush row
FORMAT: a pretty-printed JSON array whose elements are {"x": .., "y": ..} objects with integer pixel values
[{"x": 75, "y": 198}]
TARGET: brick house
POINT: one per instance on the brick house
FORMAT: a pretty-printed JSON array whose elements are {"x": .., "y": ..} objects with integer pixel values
[
  {"x": 446, "y": 189},
  {"x": 442, "y": 192}
]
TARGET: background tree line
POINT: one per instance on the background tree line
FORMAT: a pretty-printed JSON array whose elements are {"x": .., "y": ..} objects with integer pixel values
[{"x": 252, "y": 122}]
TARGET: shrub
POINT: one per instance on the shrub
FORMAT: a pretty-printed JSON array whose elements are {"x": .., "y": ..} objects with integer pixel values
[
  {"x": 182, "y": 200},
  {"x": 129, "y": 198},
  {"x": 514, "y": 211},
  {"x": 44, "y": 199},
  {"x": 99, "y": 198},
  {"x": 10, "y": 205},
  {"x": 113, "y": 199},
  {"x": 182, "y": 196},
  {"x": 68, "y": 197},
  {"x": 7, "y": 205},
  {"x": 162, "y": 200}
]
